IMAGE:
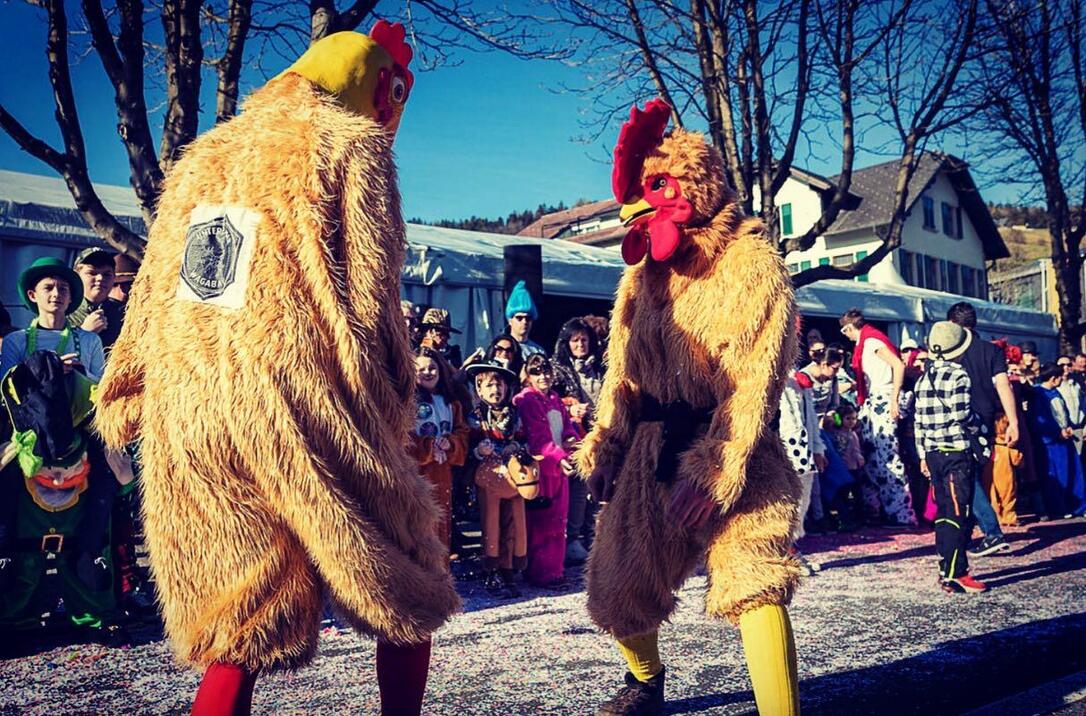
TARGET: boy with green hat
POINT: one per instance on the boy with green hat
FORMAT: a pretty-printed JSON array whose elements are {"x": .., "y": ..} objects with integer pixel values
[{"x": 57, "y": 491}]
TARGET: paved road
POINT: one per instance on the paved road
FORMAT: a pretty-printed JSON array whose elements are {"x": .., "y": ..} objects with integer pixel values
[{"x": 875, "y": 636}]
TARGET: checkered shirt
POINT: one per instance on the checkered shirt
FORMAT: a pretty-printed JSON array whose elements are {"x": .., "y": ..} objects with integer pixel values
[{"x": 944, "y": 416}]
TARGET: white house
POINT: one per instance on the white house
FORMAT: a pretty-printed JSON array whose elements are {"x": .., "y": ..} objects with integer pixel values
[{"x": 947, "y": 237}]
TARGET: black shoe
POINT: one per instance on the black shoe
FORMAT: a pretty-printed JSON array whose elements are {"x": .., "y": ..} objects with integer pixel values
[
  {"x": 494, "y": 585},
  {"x": 138, "y": 602},
  {"x": 636, "y": 698},
  {"x": 509, "y": 584},
  {"x": 989, "y": 545},
  {"x": 113, "y": 636}
]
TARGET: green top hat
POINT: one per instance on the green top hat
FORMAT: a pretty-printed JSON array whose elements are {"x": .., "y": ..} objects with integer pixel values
[{"x": 50, "y": 266}]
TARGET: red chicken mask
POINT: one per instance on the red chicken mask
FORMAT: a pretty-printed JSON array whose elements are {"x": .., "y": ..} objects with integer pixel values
[{"x": 654, "y": 206}]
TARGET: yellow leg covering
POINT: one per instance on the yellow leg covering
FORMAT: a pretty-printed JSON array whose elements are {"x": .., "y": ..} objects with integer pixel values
[
  {"x": 642, "y": 654},
  {"x": 771, "y": 659}
]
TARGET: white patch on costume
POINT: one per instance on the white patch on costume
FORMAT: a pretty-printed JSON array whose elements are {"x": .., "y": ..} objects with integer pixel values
[
  {"x": 554, "y": 419},
  {"x": 219, "y": 245}
]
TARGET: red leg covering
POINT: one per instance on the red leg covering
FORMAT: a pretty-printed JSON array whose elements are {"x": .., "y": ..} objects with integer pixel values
[
  {"x": 226, "y": 690},
  {"x": 401, "y": 676}
]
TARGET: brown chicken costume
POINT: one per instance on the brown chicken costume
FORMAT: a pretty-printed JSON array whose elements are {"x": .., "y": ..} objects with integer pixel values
[
  {"x": 266, "y": 370},
  {"x": 681, "y": 452}
]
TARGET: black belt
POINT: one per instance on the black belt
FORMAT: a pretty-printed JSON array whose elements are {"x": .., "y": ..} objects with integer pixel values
[
  {"x": 681, "y": 422},
  {"x": 54, "y": 543}
]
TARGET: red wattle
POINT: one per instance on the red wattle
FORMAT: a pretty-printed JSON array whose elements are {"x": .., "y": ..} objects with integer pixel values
[
  {"x": 634, "y": 246},
  {"x": 663, "y": 238}
]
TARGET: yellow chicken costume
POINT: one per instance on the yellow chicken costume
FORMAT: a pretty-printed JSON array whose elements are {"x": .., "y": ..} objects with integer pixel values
[
  {"x": 266, "y": 371},
  {"x": 682, "y": 453}
]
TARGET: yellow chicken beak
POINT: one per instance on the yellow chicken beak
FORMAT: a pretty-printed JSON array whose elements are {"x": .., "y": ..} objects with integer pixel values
[{"x": 629, "y": 213}]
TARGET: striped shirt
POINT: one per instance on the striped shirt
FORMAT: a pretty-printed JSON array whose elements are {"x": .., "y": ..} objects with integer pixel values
[{"x": 944, "y": 417}]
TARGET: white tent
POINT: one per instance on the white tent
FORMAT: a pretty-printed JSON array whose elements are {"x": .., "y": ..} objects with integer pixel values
[{"x": 463, "y": 270}]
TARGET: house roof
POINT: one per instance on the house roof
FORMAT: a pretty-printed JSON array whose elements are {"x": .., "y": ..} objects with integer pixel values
[
  {"x": 549, "y": 226},
  {"x": 875, "y": 187}
]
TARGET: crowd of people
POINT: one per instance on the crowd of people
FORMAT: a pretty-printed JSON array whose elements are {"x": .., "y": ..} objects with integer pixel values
[
  {"x": 955, "y": 433},
  {"x": 958, "y": 434}
]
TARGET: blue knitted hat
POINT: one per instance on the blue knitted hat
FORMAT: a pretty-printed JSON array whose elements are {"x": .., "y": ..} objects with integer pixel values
[{"x": 520, "y": 301}]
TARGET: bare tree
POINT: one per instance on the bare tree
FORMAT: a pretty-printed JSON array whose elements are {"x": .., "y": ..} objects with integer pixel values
[
  {"x": 1036, "y": 115},
  {"x": 199, "y": 37},
  {"x": 764, "y": 76}
]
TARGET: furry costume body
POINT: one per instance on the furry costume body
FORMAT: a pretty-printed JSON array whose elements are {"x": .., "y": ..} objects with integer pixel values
[
  {"x": 274, "y": 437},
  {"x": 711, "y": 326}
]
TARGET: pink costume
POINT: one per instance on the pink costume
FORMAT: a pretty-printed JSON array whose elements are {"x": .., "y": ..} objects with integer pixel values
[{"x": 548, "y": 426}]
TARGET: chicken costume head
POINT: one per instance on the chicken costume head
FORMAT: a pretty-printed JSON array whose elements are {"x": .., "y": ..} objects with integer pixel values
[
  {"x": 266, "y": 371},
  {"x": 682, "y": 450},
  {"x": 664, "y": 183}
]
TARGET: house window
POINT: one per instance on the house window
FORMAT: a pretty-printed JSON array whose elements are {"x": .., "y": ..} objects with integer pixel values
[
  {"x": 920, "y": 273},
  {"x": 944, "y": 274},
  {"x": 948, "y": 219},
  {"x": 804, "y": 265},
  {"x": 958, "y": 221},
  {"x": 905, "y": 266},
  {"x": 793, "y": 268},
  {"x": 931, "y": 273},
  {"x": 861, "y": 255},
  {"x": 929, "y": 212},
  {"x": 953, "y": 285},
  {"x": 842, "y": 260},
  {"x": 824, "y": 261},
  {"x": 969, "y": 281},
  {"x": 786, "y": 219}
]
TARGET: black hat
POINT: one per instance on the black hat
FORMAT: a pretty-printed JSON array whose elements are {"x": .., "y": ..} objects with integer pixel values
[
  {"x": 94, "y": 256},
  {"x": 1029, "y": 347},
  {"x": 492, "y": 366}
]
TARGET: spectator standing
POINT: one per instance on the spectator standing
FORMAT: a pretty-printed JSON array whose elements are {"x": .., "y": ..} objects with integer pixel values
[
  {"x": 801, "y": 438},
  {"x": 844, "y": 433},
  {"x": 97, "y": 312},
  {"x": 521, "y": 313},
  {"x": 435, "y": 329},
  {"x": 998, "y": 476},
  {"x": 1073, "y": 399},
  {"x": 1061, "y": 474},
  {"x": 990, "y": 393},
  {"x": 440, "y": 436},
  {"x": 879, "y": 376},
  {"x": 578, "y": 378},
  {"x": 944, "y": 423},
  {"x": 551, "y": 435},
  {"x": 1030, "y": 363}
]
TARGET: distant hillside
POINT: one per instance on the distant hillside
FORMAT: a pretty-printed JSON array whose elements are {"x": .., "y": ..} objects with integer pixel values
[
  {"x": 509, "y": 225},
  {"x": 1025, "y": 245}
]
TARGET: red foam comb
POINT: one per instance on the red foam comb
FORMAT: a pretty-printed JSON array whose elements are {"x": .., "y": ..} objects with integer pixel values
[
  {"x": 391, "y": 37},
  {"x": 642, "y": 133}
]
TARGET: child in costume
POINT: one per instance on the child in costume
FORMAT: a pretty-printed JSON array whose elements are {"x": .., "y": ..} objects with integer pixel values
[
  {"x": 842, "y": 427},
  {"x": 944, "y": 423},
  {"x": 550, "y": 435},
  {"x": 265, "y": 366},
  {"x": 998, "y": 477},
  {"x": 57, "y": 491},
  {"x": 682, "y": 453},
  {"x": 505, "y": 475},
  {"x": 440, "y": 436}
]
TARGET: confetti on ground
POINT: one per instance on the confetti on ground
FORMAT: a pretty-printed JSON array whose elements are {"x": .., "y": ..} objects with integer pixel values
[{"x": 874, "y": 634}]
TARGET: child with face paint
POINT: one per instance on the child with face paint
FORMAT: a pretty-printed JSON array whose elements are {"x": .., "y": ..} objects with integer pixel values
[
  {"x": 439, "y": 439},
  {"x": 505, "y": 475}
]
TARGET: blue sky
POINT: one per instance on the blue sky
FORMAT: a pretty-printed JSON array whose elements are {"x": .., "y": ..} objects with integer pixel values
[{"x": 484, "y": 138}]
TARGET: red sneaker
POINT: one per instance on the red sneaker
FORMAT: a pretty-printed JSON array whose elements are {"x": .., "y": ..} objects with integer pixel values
[{"x": 964, "y": 583}]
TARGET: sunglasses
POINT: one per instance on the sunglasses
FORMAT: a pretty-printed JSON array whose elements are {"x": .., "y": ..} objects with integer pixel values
[
  {"x": 503, "y": 349},
  {"x": 522, "y": 317},
  {"x": 539, "y": 370}
]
